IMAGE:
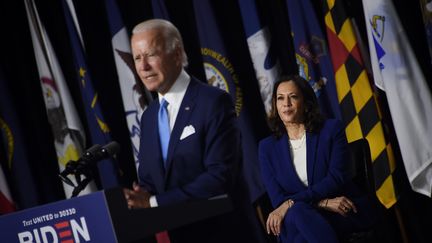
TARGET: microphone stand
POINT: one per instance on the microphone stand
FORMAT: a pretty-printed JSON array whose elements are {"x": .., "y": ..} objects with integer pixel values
[
  {"x": 78, "y": 169},
  {"x": 82, "y": 170},
  {"x": 84, "y": 166}
]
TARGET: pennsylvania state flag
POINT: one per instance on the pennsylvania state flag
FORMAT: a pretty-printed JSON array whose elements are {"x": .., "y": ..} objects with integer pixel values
[{"x": 99, "y": 130}]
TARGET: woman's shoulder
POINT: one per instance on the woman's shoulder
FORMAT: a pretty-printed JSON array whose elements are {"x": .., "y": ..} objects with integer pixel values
[{"x": 268, "y": 141}]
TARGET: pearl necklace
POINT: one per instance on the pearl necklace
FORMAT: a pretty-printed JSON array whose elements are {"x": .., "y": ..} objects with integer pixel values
[{"x": 300, "y": 143}]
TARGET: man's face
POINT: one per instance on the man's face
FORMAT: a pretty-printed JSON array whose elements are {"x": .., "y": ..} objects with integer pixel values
[{"x": 156, "y": 67}]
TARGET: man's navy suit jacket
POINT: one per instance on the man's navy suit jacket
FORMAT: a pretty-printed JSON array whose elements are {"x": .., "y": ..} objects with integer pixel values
[{"x": 201, "y": 165}]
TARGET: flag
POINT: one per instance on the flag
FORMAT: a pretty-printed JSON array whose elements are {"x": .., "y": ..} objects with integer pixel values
[
  {"x": 134, "y": 94},
  {"x": 67, "y": 129},
  {"x": 312, "y": 55},
  {"x": 99, "y": 130},
  {"x": 17, "y": 163},
  {"x": 396, "y": 71},
  {"x": 426, "y": 7},
  {"x": 159, "y": 10},
  {"x": 358, "y": 104},
  {"x": 221, "y": 73},
  {"x": 261, "y": 50},
  {"x": 6, "y": 202}
]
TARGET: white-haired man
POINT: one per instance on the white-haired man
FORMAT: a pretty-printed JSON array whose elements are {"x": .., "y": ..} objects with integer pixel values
[{"x": 190, "y": 141}]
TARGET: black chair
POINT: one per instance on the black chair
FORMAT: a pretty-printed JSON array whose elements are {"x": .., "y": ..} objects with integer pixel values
[
  {"x": 362, "y": 166},
  {"x": 364, "y": 179}
]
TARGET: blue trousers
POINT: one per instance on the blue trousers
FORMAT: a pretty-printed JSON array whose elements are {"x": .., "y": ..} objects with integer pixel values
[{"x": 307, "y": 223}]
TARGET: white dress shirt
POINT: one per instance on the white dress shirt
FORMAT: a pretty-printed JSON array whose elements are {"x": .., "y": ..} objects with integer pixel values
[{"x": 174, "y": 97}]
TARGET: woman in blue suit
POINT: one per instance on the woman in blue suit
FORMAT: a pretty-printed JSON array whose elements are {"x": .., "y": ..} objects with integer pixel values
[{"x": 305, "y": 167}]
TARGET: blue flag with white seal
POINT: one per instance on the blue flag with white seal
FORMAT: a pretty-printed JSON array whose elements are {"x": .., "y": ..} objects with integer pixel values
[{"x": 312, "y": 55}]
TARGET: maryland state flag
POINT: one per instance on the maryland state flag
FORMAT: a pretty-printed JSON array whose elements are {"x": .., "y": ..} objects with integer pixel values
[
  {"x": 357, "y": 101},
  {"x": 99, "y": 130}
]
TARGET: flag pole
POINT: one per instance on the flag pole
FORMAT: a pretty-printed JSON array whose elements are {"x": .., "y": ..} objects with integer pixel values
[{"x": 401, "y": 224}]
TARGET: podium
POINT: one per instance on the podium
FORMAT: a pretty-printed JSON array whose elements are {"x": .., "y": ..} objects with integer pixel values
[{"x": 102, "y": 216}]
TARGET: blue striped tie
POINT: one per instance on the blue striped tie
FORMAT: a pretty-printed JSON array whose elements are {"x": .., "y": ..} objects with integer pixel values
[{"x": 164, "y": 128}]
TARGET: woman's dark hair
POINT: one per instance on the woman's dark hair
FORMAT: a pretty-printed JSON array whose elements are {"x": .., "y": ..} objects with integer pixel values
[{"x": 313, "y": 118}]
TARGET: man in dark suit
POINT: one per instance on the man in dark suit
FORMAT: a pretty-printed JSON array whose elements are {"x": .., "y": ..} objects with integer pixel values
[{"x": 190, "y": 142}]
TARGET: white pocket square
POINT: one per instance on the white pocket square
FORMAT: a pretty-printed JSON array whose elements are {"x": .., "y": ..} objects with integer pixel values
[{"x": 187, "y": 131}]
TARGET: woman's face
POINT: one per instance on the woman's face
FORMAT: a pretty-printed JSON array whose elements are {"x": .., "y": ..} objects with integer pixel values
[{"x": 289, "y": 103}]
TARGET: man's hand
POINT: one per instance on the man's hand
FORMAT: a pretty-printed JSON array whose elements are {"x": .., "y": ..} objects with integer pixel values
[{"x": 137, "y": 197}]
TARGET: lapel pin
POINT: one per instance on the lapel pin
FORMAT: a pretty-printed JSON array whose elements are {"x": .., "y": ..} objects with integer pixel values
[{"x": 187, "y": 108}]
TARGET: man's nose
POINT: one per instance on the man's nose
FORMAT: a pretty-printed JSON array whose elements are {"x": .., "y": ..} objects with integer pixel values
[{"x": 145, "y": 64}]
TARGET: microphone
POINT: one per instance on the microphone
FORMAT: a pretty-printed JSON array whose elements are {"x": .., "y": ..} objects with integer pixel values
[
  {"x": 110, "y": 149},
  {"x": 99, "y": 153},
  {"x": 84, "y": 165},
  {"x": 89, "y": 153}
]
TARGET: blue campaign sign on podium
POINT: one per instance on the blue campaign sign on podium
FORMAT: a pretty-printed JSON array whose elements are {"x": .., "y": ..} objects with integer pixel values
[
  {"x": 103, "y": 217},
  {"x": 80, "y": 219}
]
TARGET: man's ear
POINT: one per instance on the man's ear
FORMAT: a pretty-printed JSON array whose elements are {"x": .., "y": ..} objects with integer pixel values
[{"x": 179, "y": 55}]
